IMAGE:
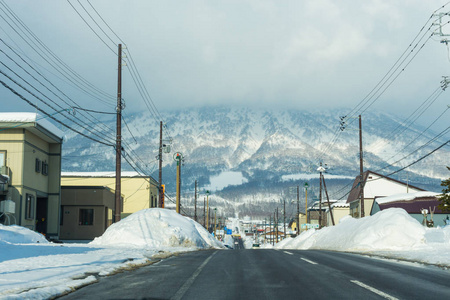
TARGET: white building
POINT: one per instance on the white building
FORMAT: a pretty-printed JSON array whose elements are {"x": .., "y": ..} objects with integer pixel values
[{"x": 375, "y": 185}]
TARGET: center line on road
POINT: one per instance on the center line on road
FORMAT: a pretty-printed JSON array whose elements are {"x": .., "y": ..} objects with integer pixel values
[
  {"x": 374, "y": 290},
  {"x": 288, "y": 253},
  {"x": 309, "y": 261},
  {"x": 191, "y": 280}
]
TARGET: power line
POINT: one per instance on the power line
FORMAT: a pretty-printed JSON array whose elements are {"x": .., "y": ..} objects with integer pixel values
[
  {"x": 32, "y": 94},
  {"x": 59, "y": 65},
  {"x": 49, "y": 115},
  {"x": 390, "y": 77},
  {"x": 42, "y": 84},
  {"x": 421, "y": 147},
  {"x": 109, "y": 47}
]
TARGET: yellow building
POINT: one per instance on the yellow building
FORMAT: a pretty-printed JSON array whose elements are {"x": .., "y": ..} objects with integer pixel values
[
  {"x": 339, "y": 209},
  {"x": 30, "y": 160},
  {"x": 139, "y": 191},
  {"x": 302, "y": 218}
]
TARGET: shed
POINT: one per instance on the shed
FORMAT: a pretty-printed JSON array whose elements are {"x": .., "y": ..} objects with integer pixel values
[{"x": 86, "y": 211}]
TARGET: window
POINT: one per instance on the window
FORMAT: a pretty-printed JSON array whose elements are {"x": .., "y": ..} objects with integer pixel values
[
  {"x": 44, "y": 168},
  {"x": 29, "y": 207},
  {"x": 2, "y": 158},
  {"x": 37, "y": 166},
  {"x": 86, "y": 217}
]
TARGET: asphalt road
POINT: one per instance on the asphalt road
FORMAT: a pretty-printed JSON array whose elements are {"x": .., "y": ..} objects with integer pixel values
[
  {"x": 238, "y": 243},
  {"x": 272, "y": 274}
]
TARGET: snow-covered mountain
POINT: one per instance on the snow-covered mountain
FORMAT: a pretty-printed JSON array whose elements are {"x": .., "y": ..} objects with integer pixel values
[{"x": 263, "y": 145}]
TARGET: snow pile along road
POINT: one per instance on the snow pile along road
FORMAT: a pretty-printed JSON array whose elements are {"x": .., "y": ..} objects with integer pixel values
[
  {"x": 391, "y": 232},
  {"x": 33, "y": 268},
  {"x": 155, "y": 228},
  {"x": 19, "y": 235}
]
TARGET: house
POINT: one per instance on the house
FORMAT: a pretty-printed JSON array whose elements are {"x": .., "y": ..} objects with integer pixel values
[
  {"x": 339, "y": 209},
  {"x": 415, "y": 204},
  {"x": 86, "y": 211},
  {"x": 139, "y": 191},
  {"x": 273, "y": 236},
  {"x": 375, "y": 185},
  {"x": 30, "y": 162},
  {"x": 293, "y": 223},
  {"x": 315, "y": 212}
]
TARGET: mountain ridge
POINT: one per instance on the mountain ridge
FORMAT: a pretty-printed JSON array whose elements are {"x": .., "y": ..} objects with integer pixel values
[{"x": 259, "y": 143}]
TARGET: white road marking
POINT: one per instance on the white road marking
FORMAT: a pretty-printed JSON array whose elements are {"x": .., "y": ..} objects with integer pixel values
[
  {"x": 288, "y": 253},
  {"x": 191, "y": 280},
  {"x": 374, "y": 290},
  {"x": 309, "y": 261}
]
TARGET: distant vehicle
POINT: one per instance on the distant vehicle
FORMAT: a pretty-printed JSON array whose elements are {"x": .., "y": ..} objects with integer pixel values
[
  {"x": 228, "y": 246},
  {"x": 255, "y": 246}
]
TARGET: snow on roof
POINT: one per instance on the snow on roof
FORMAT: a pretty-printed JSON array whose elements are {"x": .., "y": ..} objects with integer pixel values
[
  {"x": 102, "y": 174},
  {"x": 27, "y": 117},
  {"x": 405, "y": 197},
  {"x": 341, "y": 203}
]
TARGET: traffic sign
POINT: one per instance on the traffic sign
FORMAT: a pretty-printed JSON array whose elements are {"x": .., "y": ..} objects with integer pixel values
[{"x": 309, "y": 226}]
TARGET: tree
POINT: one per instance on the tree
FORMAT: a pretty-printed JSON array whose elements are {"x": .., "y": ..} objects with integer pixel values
[{"x": 445, "y": 199}]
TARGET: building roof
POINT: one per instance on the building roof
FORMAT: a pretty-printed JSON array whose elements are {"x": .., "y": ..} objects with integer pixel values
[
  {"x": 36, "y": 123},
  {"x": 405, "y": 197},
  {"x": 316, "y": 204},
  {"x": 86, "y": 187},
  {"x": 108, "y": 174},
  {"x": 102, "y": 174},
  {"x": 413, "y": 203},
  {"x": 341, "y": 203},
  {"x": 356, "y": 188}
]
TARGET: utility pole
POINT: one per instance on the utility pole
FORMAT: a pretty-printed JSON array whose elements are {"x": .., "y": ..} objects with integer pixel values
[
  {"x": 204, "y": 212},
  {"x": 328, "y": 200},
  {"x": 195, "y": 202},
  {"x": 118, "y": 206},
  {"x": 160, "y": 202},
  {"x": 284, "y": 216},
  {"x": 320, "y": 169},
  {"x": 215, "y": 223},
  {"x": 209, "y": 217},
  {"x": 306, "y": 201},
  {"x": 207, "y": 210},
  {"x": 265, "y": 231},
  {"x": 361, "y": 171},
  {"x": 178, "y": 157},
  {"x": 298, "y": 210},
  {"x": 270, "y": 230},
  {"x": 277, "y": 224}
]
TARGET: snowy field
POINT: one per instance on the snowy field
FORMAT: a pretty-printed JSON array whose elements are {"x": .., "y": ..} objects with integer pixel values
[{"x": 32, "y": 268}]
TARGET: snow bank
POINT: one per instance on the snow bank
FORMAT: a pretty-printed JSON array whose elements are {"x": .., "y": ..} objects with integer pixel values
[
  {"x": 390, "y": 229},
  {"x": 156, "y": 228},
  {"x": 19, "y": 235}
]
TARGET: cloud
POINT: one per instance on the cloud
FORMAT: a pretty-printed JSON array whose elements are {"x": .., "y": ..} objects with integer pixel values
[{"x": 272, "y": 53}]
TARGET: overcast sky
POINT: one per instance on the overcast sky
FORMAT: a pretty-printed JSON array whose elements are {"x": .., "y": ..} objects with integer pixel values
[{"x": 301, "y": 54}]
